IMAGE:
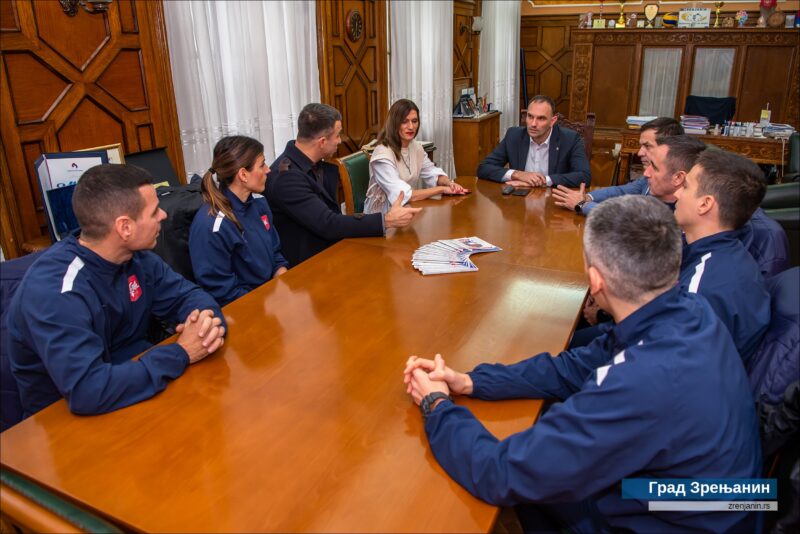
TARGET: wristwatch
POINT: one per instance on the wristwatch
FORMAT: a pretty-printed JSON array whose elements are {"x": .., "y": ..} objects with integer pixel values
[
  {"x": 428, "y": 400},
  {"x": 579, "y": 206}
]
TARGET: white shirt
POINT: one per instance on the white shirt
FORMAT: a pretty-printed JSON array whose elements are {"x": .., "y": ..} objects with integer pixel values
[
  {"x": 538, "y": 160},
  {"x": 386, "y": 175}
]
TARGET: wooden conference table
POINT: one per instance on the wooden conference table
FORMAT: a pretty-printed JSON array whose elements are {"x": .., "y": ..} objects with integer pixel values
[{"x": 301, "y": 422}]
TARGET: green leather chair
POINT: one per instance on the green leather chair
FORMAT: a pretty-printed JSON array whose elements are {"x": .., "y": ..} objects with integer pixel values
[
  {"x": 354, "y": 176},
  {"x": 32, "y": 508}
]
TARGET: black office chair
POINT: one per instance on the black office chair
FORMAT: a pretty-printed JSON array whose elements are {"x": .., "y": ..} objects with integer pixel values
[
  {"x": 789, "y": 219},
  {"x": 157, "y": 163},
  {"x": 781, "y": 196},
  {"x": 716, "y": 110},
  {"x": 10, "y": 276}
]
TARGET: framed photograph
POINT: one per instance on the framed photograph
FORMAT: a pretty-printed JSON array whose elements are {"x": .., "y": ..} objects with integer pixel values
[
  {"x": 114, "y": 152},
  {"x": 58, "y": 173},
  {"x": 694, "y": 17}
]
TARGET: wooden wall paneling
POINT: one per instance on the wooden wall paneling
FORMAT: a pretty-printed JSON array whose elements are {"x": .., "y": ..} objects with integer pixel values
[
  {"x": 77, "y": 82},
  {"x": 466, "y": 46},
  {"x": 766, "y": 81},
  {"x": 612, "y": 76},
  {"x": 547, "y": 41},
  {"x": 353, "y": 75},
  {"x": 767, "y": 66}
]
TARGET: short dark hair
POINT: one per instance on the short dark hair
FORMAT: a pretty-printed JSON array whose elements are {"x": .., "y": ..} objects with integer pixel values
[
  {"x": 546, "y": 99},
  {"x": 106, "y": 192},
  {"x": 664, "y": 127},
  {"x": 316, "y": 120},
  {"x": 737, "y": 184},
  {"x": 683, "y": 151},
  {"x": 635, "y": 242}
]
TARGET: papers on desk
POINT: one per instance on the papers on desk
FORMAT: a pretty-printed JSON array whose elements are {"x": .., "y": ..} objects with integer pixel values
[
  {"x": 450, "y": 255},
  {"x": 638, "y": 120}
]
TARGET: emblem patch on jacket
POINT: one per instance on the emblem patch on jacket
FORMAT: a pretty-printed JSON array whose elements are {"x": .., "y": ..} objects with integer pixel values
[
  {"x": 265, "y": 220},
  {"x": 134, "y": 289}
]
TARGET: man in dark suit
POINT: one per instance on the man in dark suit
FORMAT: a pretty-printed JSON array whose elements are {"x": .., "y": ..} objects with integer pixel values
[
  {"x": 540, "y": 155},
  {"x": 302, "y": 191}
]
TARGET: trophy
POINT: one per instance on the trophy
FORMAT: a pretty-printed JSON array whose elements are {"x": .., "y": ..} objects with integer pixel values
[
  {"x": 718, "y": 5},
  {"x": 650, "y": 13},
  {"x": 621, "y": 19}
]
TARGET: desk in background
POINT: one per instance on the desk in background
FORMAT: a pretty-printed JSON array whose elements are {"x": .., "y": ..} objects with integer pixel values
[
  {"x": 473, "y": 140},
  {"x": 301, "y": 422},
  {"x": 766, "y": 150}
]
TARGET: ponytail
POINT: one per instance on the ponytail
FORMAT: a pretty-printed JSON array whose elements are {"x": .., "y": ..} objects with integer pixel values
[
  {"x": 231, "y": 154},
  {"x": 216, "y": 200}
]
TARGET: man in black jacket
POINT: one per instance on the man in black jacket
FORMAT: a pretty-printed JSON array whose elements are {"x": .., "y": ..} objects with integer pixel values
[
  {"x": 540, "y": 155},
  {"x": 302, "y": 191}
]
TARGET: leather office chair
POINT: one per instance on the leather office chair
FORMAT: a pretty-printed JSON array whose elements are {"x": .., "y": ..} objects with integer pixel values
[
  {"x": 716, "y": 110},
  {"x": 792, "y": 172},
  {"x": 584, "y": 129},
  {"x": 789, "y": 219},
  {"x": 10, "y": 276},
  {"x": 29, "y": 507},
  {"x": 354, "y": 177},
  {"x": 780, "y": 196}
]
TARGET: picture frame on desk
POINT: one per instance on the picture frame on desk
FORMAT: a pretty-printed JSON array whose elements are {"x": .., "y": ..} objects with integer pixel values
[
  {"x": 58, "y": 174},
  {"x": 114, "y": 152}
]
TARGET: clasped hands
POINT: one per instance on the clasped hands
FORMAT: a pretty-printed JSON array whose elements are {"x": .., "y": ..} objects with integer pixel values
[
  {"x": 423, "y": 377},
  {"x": 201, "y": 334},
  {"x": 527, "y": 179}
]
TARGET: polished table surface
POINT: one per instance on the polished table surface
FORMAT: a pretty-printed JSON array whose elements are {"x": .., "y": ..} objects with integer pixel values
[{"x": 301, "y": 422}]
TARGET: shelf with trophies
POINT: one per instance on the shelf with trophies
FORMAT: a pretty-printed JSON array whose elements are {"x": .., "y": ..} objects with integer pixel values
[{"x": 639, "y": 71}]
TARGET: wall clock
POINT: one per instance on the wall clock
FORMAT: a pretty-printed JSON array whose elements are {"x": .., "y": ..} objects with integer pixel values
[{"x": 354, "y": 25}]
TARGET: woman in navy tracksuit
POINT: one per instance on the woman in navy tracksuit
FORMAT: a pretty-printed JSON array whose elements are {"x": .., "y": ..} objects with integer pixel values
[{"x": 233, "y": 244}]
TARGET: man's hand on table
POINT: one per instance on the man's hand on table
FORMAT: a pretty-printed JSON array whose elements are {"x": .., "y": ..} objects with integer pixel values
[
  {"x": 399, "y": 216},
  {"x": 569, "y": 198},
  {"x": 423, "y": 376},
  {"x": 201, "y": 334}
]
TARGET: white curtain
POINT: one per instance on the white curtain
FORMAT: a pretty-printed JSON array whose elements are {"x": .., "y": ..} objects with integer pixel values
[
  {"x": 498, "y": 74},
  {"x": 712, "y": 71},
  {"x": 422, "y": 69},
  {"x": 243, "y": 68},
  {"x": 660, "y": 73}
]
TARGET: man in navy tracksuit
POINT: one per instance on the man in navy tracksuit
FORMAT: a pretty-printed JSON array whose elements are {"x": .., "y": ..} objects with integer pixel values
[
  {"x": 662, "y": 395},
  {"x": 718, "y": 197},
  {"x": 82, "y": 311}
]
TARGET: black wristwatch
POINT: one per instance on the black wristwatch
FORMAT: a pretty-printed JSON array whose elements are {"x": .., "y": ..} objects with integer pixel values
[
  {"x": 428, "y": 400},
  {"x": 579, "y": 206}
]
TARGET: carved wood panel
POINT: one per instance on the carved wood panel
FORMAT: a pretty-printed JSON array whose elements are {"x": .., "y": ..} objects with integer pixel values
[
  {"x": 466, "y": 46},
  {"x": 547, "y": 41},
  {"x": 766, "y": 69},
  {"x": 77, "y": 82},
  {"x": 353, "y": 73}
]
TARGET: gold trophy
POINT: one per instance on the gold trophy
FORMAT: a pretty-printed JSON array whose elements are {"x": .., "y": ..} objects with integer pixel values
[
  {"x": 718, "y": 5},
  {"x": 621, "y": 19},
  {"x": 650, "y": 13}
]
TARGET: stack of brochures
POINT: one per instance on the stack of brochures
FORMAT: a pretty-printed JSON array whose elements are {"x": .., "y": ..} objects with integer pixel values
[{"x": 450, "y": 255}]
